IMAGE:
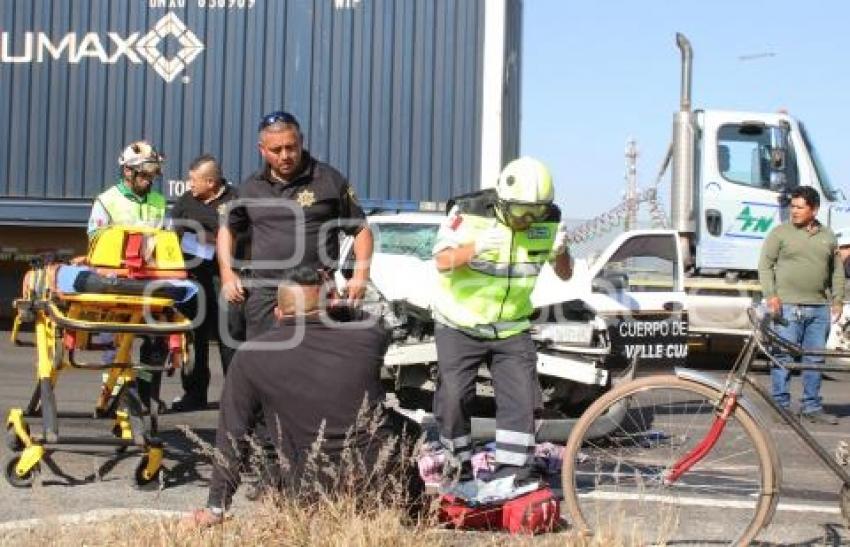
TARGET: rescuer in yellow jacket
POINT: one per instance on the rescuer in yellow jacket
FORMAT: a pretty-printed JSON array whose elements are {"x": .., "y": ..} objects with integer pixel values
[
  {"x": 132, "y": 202},
  {"x": 489, "y": 252}
]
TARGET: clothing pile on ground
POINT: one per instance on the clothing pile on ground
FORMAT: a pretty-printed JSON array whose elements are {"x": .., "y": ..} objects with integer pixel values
[{"x": 490, "y": 501}]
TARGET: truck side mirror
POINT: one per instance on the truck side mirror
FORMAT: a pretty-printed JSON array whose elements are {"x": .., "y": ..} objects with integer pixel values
[
  {"x": 778, "y": 147},
  {"x": 777, "y": 159}
]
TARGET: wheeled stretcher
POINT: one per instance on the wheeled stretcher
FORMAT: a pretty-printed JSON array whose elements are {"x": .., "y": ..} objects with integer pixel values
[{"x": 130, "y": 285}]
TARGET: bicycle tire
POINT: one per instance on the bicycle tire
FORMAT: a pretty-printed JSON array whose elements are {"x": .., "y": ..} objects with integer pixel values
[{"x": 627, "y": 497}]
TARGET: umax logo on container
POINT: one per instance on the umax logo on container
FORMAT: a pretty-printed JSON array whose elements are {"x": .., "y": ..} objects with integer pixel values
[{"x": 38, "y": 47}]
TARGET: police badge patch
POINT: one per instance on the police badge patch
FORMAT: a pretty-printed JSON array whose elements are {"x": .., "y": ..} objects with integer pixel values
[
  {"x": 351, "y": 195},
  {"x": 305, "y": 198}
]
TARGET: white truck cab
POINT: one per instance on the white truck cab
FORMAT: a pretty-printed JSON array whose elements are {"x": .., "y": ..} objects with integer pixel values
[
  {"x": 748, "y": 165},
  {"x": 732, "y": 176}
]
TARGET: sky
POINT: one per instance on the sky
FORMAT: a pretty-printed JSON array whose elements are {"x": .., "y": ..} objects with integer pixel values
[{"x": 596, "y": 73}]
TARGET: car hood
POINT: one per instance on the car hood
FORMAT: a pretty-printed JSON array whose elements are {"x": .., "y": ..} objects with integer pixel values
[{"x": 403, "y": 277}]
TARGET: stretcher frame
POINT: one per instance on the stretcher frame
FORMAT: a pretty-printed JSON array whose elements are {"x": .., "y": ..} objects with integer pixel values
[{"x": 64, "y": 324}]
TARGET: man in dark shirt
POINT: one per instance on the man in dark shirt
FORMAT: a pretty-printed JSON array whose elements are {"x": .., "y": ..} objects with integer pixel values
[
  {"x": 195, "y": 216},
  {"x": 295, "y": 207},
  {"x": 313, "y": 378}
]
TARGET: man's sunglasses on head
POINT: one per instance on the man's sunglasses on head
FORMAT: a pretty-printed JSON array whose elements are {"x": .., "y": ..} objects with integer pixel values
[{"x": 278, "y": 116}]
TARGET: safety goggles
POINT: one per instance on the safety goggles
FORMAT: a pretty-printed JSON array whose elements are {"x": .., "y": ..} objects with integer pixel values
[
  {"x": 278, "y": 116},
  {"x": 529, "y": 212},
  {"x": 148, "y": 171}
]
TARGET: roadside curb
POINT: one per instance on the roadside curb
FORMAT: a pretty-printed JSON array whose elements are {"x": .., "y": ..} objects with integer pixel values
[{"x": 88, "y": 517}]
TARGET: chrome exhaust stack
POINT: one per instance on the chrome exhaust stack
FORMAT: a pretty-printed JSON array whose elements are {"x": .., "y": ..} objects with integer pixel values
[{"x": 682, "y": 213}]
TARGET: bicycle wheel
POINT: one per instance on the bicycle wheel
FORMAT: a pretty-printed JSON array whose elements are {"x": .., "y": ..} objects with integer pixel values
[{"x": 621, "y": 449}]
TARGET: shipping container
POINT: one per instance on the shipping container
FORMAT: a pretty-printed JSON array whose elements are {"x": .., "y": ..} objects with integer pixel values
[{"x": 410, "y": 99}]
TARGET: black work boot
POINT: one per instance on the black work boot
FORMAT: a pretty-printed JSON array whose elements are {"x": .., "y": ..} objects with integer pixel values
[{"x": 819, "y": 417}]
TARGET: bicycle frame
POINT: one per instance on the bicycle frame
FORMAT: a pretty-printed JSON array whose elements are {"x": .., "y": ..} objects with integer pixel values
[{"x": 732, "y": 393}]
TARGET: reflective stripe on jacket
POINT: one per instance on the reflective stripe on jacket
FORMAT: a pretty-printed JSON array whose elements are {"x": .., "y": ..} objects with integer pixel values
[{"x": 491, "y": 296}]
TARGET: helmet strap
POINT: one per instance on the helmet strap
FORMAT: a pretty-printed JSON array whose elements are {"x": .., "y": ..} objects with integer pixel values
[{"x": 502, "y": 212}]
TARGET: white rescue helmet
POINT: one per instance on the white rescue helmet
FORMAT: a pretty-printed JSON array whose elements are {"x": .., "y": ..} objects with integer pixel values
[
  {"x": 525, "y": 180},
  {"x": 142, "y": 156},
  {"x": 525, "y": 192}
]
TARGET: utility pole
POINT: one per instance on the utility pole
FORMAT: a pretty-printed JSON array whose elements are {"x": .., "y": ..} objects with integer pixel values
[{"x": 631, "y": 184}]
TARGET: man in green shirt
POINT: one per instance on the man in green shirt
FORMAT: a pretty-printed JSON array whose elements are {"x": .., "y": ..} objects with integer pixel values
[{"x": 801, "y": 277}]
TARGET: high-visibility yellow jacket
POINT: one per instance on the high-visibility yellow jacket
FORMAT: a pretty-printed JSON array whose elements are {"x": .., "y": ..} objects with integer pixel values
[
  {"x": 491, "y": 296},
  {"x": 122, "y": 206}
]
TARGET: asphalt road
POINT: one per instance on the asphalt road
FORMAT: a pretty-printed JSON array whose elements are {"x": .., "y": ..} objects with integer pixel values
[
  {"x": 100, "y": 478},
  {"x": 808, "y": 511}
]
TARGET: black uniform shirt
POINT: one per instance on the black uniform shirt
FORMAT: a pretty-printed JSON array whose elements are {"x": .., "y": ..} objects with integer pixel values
[
  {"x": 208, "y": 215},
  {"x": 325, "y": 377},
  {"x": 296, "y": 223}
]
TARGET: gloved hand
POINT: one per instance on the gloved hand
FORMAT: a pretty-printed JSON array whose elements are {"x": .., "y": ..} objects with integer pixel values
[
  {"x": 490, "y": 239},
  {"x": 561, "y": 241}
]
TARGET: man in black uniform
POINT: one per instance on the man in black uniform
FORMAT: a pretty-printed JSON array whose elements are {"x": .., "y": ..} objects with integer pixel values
[
  {"x": 319, "y": 383},
  {"x": 195, "y": 216},
  {"x": 295, "y": 207}
]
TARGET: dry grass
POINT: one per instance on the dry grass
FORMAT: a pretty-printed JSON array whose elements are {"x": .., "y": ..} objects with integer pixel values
[
  {"x": 325, "y": 524},
  {"x": 357, "y": 510}
]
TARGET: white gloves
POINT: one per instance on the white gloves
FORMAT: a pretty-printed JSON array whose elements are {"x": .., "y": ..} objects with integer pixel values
[
  {"x": 561, "y": 241},
  {"x": 490, "y": 239}
]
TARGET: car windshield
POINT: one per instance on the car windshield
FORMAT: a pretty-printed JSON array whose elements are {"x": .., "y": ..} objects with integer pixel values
[
  {"x": 405, "y": 239},
  {"x": 828, "y": 189}
]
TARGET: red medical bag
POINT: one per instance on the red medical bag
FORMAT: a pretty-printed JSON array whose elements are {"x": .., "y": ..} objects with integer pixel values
[
  {"x": 535, "y": 512},
  {"x": 532, "y": 513},
  {"x": 456, "y": 513}
]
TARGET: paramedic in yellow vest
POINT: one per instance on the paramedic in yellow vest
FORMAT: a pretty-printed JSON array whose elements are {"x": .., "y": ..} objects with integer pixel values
[
  {"x": 489, "y": 252},
  {"x": 132, "y": 202}
]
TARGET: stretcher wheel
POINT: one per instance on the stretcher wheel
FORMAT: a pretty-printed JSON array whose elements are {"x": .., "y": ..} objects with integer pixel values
[
  {"x": 13, "y": 478},
  {"x": 139, "y": 479},
  {"x": 13, "y": 442}
]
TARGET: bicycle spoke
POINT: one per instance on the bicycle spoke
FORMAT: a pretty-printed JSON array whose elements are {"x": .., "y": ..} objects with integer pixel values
[{"x": 620, "y": 477}]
